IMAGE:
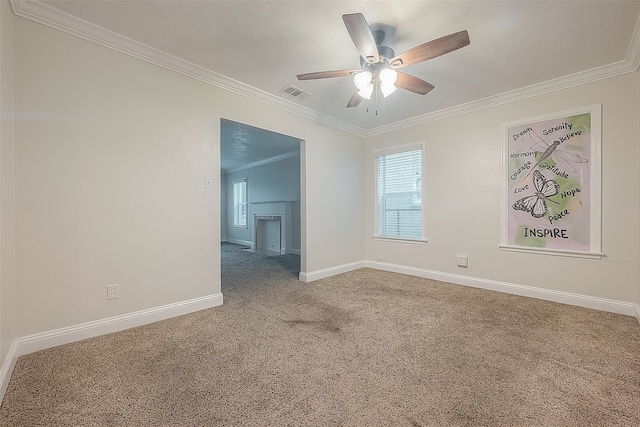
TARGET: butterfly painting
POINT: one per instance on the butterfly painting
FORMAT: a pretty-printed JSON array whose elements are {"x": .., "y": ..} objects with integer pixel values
[{"x": 537, "y": 204}]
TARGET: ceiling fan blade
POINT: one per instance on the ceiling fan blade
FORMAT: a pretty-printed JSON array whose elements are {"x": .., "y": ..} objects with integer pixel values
[
  {"x": 413, "y": 84},
  {"x": 361, "y": 35},
  {"x": 326, "y": 74},
  {"x": 431, "y": 49},
  {"x": 354, "y": 101}
]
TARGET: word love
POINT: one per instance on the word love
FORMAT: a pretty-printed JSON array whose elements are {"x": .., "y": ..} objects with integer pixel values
[{"x": 519, "y": 189}]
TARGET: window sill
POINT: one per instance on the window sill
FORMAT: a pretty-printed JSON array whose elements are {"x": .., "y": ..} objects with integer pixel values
[
  {"x": 242, "y": 227},
  {"x": 400, "y": 240},
  {"x": 556, "y": 252}
]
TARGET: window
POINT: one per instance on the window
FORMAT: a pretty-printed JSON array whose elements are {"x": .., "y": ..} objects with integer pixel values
[
  {"x": 240, "y": 202},
  {"x": 399, "y": 192}
]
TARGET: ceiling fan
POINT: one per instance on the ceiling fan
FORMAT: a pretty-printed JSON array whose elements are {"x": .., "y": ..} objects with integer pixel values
[{"x": 379, "y": 63}]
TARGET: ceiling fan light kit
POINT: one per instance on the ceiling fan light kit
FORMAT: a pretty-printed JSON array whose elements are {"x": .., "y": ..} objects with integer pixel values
[
  {"x": 362, "y": 79},
  {"x": 387, "y": 89},
  {"x": 378, "y": 62},
  {"x": 366, "y": 91},
  {"x": 388, "y": 78}
]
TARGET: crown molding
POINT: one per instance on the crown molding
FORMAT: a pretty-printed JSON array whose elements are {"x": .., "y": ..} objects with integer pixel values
[
  {"x": 629, "y": 65},
  {"x": 54, "y": 18},
  {"x": 633, "y": 53},
  {"x": 583, "y": 77}
]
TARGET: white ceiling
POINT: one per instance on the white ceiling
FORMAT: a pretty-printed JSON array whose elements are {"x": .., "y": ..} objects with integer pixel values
[
  {"x": 243, "y": 146},
  {"x": 518, "y": 48}
]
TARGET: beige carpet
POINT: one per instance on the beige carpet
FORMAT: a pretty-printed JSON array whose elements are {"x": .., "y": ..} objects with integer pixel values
[{"x": 365, "y": 348}]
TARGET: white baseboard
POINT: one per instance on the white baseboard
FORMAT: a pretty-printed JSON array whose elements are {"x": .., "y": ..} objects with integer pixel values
[
  {"x": 250, "y": 244},
  {"x": 579, "y": 300},
  {"x": 241, "y": 242},
  {"x": 6, "y": 369},
  {"x": 328, "y": 272},
  {"x": 43, "y": 340},
  {"x": 603, "y": 304}
]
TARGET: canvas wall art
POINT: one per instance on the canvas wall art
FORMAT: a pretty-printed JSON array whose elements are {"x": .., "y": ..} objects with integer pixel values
[{"x": 551, "y": 195}]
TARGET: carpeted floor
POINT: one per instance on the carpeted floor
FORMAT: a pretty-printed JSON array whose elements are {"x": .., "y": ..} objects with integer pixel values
[{"x": 365, "y": 348}]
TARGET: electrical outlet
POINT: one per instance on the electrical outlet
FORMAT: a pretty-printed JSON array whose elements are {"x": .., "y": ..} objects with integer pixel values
[
  {"x": 463, "y": 261},
  {"x": 112, "y": 292}
]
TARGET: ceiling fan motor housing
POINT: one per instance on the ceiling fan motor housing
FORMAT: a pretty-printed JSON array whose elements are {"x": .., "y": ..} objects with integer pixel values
[{"x": 385, "y": 53}]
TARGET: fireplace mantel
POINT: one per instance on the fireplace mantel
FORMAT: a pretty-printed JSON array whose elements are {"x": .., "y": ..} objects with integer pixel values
[{"x": 280, "y": 211}]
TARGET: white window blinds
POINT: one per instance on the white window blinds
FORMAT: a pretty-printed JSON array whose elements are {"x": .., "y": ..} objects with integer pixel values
[
  {"x": 240, "y": 202},
  {"x": 399, "y": 194}
]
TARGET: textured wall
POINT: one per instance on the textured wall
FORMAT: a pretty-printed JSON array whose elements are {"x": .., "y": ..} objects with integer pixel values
[
  {"x": 463, "y": 187},
  {"x": 7, "y": 200},
  {"x": 111, "y": 158}
]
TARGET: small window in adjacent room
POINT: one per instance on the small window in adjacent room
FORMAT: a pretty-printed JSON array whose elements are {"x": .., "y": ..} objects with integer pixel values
[
  {"x": 240, "y": 202},
  {"x": 399, "y": 192}
]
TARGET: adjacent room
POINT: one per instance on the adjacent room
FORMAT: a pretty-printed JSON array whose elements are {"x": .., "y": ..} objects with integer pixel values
[
  {"x": 259, "y": 199},
  {"x": 319, "y": 213}
]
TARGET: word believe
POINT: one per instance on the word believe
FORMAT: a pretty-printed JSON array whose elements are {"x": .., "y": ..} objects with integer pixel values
[{"x": 569, "y": 136}]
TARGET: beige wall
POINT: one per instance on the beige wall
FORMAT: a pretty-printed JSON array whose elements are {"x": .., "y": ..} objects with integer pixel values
[
  {"x": 463, "y": 188},
  {"x": 637, "y": 220},
  {"x": 111, "y": 157},
  {"x": 7, "y": 220}
]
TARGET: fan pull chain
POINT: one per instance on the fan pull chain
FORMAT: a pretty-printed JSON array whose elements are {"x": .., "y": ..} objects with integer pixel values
[{"x": 377, "y": 87}]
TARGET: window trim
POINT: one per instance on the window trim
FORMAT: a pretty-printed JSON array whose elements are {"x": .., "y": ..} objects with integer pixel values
[
  {"x": 246, "y": 202},
  {"x": 417, "y": 145}
]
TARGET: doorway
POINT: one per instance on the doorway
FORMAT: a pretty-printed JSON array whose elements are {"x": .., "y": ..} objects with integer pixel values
[{"x": 262, "y": 215}]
